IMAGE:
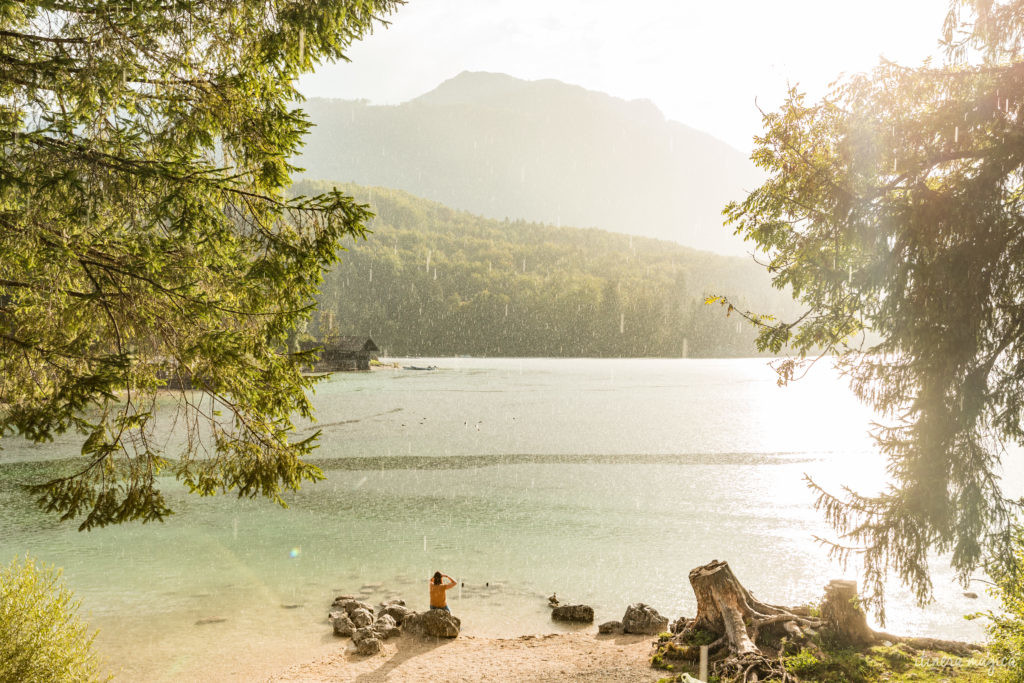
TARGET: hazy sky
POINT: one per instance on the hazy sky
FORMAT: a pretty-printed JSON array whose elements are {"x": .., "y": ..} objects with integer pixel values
[{"x": 702, "y": 63}]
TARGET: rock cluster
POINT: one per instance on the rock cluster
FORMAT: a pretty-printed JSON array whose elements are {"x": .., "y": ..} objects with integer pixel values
[
  {"x": 643, "y": 619},
  {"x": 368, "y": 629}
]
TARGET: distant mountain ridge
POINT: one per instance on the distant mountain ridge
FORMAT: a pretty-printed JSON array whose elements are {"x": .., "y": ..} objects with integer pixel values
[{"x": 537, "y": 150}]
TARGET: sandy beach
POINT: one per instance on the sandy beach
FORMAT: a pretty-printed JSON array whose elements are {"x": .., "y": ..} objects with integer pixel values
[{"x": 549, "y": 657}]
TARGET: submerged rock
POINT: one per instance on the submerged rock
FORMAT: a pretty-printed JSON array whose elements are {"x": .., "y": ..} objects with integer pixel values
[
  {"x": 644, "y": 620},
  {"x": 580, "y": 613},
  {"x": 434, "y": 622},
  {"x": 610, "y": 627}
]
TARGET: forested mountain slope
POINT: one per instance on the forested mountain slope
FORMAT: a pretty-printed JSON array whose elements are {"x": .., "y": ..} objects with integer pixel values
[{"x": 434, "y": 281}]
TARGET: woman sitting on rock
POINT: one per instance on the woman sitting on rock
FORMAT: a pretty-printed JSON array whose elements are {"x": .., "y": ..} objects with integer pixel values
[{"x": 438, "y": 591}]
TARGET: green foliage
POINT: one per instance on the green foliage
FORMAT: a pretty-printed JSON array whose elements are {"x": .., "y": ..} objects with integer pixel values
[
  {"x": 1006, "y": 627},
  {"x": 804, "y": 663},
  {"x": 433, "y": 281},
  {"x": 893, "y": 213},
  {"x": 145, "y": 237},
  {"x": 41, "y": 636},
  {"x": 700, "y": 637}
]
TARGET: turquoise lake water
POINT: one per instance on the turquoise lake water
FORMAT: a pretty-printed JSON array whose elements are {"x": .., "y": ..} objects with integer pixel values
[{"x": 605, "y": 481}]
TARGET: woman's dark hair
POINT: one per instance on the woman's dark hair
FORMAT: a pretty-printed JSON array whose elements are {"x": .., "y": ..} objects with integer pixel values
[{"x": 437, "y": 578}]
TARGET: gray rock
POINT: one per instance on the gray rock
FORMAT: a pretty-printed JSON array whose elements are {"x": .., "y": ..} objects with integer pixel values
[
  {"x": 971, "y": 594},
  {"x": 386, "y": 627},
  {"x": 341, "y": 600},
  {"x": 581, "y": 613},
  {"x": 643, "y": 619},
  {"x": 366, "y": 641},
  {"x": 343, "y": 626},
  {"x": 610, "y": 627},
  {"x": 361, "y": 618},
  {"x": 434, "y": 622},
  {"x": 352, "y": 605},
  {"x": 396, "y": 612}
]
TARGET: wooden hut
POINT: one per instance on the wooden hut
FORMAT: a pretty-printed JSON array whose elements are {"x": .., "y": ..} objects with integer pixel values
[{"x": 345, "y": 353}]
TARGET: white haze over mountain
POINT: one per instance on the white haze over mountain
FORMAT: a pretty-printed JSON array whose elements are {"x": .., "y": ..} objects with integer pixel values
[
  {"x": 541, "y": 151},
  {"x": 701, "y": 63}
]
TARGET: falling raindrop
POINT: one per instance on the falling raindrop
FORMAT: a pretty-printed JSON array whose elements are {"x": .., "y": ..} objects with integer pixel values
[
  {"x": 524, "y": 265},
  {"x": 435, "y": 273},
  {"x": 429, "y": 252},
  {"x": 371, "y": 273},
  {"x": 506, "y": 309},
  {"x": 622, "y": 323},
  {"x": 302, "y": 44},
  {"x": 956, "y": 134}
]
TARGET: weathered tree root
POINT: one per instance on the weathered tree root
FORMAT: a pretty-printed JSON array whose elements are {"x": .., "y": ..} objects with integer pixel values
[{"x": 752, "y": 667}]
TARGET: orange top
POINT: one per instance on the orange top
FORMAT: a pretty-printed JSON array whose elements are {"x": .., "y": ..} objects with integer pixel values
[{"x": 437, "y": 592}]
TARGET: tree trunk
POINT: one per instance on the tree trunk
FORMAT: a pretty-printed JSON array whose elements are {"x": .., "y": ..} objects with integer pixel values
[
  {"x": 844, "y": 620},
  {"x": 726, "y": 609}
]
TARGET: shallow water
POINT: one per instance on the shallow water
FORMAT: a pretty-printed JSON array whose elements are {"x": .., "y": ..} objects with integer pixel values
[{"x": 602, "y": 480}]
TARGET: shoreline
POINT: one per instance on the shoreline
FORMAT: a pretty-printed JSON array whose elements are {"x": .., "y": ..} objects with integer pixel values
[{"x": 576, "y": 656}]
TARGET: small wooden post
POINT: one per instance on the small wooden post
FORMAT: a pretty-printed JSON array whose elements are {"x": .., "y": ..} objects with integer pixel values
[{"x": 702, "y": 672}]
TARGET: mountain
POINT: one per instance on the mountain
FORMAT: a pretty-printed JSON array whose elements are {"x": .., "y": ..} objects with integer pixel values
[
  {"x": 433, "y": 281},
  {"x": 541, "y": 151}
]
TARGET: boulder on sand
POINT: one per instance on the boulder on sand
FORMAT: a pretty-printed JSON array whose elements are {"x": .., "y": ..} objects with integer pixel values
[
  {"x": 366, "y": 641},
  {"x": 610, "y": 627},
  {"x": 438, "y": 623},
  {"x": 396, "y": 612},
  {"x": 361, "y": 618},
  {"x": 343, "y": 626},
  {"x": 644, "y": 620},
  {"x": 385, "y": 627},
  {"x": 351, "y": 606},
  {"x": 580, "y": 613}
]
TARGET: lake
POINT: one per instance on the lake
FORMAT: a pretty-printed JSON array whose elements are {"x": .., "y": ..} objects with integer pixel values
[{"x": 605, "y": 481}]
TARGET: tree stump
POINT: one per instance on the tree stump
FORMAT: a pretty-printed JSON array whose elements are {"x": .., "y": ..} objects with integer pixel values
[
  {"x": 726, "y": 609},
  {"x": 845, "y": 621}
]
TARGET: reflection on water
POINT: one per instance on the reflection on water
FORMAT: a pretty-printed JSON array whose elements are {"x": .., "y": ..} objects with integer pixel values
[{"x": 605, "y": 481}]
